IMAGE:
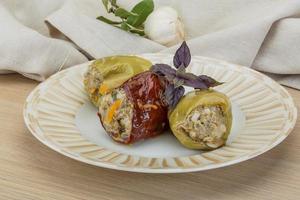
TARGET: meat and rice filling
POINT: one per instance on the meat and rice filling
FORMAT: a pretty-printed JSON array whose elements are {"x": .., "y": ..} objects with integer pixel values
[
  {"x": 205, "y": 124},
  {"x": 116, "y": 113},
  {"x": 92, "y": 82}
]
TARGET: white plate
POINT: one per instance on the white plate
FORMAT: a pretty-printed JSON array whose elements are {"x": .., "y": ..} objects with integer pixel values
[{"x": 59, "y": 114}]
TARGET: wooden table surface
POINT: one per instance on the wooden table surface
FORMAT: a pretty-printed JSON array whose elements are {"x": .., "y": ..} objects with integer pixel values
[{"x": 30, "y": 170}]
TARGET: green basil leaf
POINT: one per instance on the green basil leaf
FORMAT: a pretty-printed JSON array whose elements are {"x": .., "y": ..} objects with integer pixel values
[
  {"x": 108, "y": 21},
  {"x": 143, "y": 10},
  {"x": 110, "y": 5},
  {"x": 113, "y": 2},
  {"x": 138, "y": 31},
  {"x": 125, "y": 26},
  {"x": 105, "y": 3},
  {"x": 121, "y": 12},
  {"x": 128, "y": 27}
]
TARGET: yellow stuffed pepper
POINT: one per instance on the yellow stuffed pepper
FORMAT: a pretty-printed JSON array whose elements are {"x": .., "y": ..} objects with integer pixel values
[{"x": 108, "y": 73}]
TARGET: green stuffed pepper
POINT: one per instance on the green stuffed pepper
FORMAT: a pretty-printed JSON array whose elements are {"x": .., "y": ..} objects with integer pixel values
[
  {"x": 202, "y": 119},
  {"x": 108, "y": 73}
]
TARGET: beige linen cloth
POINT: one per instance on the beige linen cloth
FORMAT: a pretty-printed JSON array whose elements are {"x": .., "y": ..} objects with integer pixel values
[{"x": 41, "y": 37}]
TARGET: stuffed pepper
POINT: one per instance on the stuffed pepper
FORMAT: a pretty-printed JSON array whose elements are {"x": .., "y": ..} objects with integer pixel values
[
  {"x": 202, "y": 119},
  {"x": 136, "y": 110},
  {"x": 108, "y": 73}
]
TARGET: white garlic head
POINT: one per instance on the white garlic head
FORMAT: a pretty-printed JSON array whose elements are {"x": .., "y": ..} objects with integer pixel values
[{"x": 164, "y": 26}]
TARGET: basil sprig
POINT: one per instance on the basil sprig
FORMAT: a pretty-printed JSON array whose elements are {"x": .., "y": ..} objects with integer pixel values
[
  {"x": 177, "y": 78},
  {"x": 131, "y": 21}
]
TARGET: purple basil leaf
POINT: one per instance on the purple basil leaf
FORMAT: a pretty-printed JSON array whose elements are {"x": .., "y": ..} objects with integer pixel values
[
  {"x": 164, "y": 70},
  {"x": 173, "y": 95},
  {"x": 185, "y": 75},
  {"x": 181, "y": 69},
  {"x": 190, "y": 80},
  {"x": 210, "y": 82},
  {"x": 182, "y": 56},
  {"x": 197, "y": 82},
  {"x": 177, "y": 82}
]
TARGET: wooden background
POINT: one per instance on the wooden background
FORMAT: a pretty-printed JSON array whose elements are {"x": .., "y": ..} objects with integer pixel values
[{"x": 30, "y": 170}]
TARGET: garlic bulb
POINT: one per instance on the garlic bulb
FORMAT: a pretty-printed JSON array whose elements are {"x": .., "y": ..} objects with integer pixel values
[{"x": 164, "y": 26}]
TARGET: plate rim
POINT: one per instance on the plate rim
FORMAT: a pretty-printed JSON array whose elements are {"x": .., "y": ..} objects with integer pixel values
[{"x": 108, "y": 165}]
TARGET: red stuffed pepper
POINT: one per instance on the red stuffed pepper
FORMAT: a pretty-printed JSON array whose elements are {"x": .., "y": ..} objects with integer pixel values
[{"x": 136, "y": 110}]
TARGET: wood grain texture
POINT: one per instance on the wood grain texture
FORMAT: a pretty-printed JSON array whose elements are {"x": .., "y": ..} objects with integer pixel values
[{"x": 30, "y": 170}]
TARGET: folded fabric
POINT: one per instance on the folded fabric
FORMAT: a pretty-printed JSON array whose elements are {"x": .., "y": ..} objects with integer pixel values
[
  {"x": 30, "y": 53},
  {"x": 264, "y": 35}
]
